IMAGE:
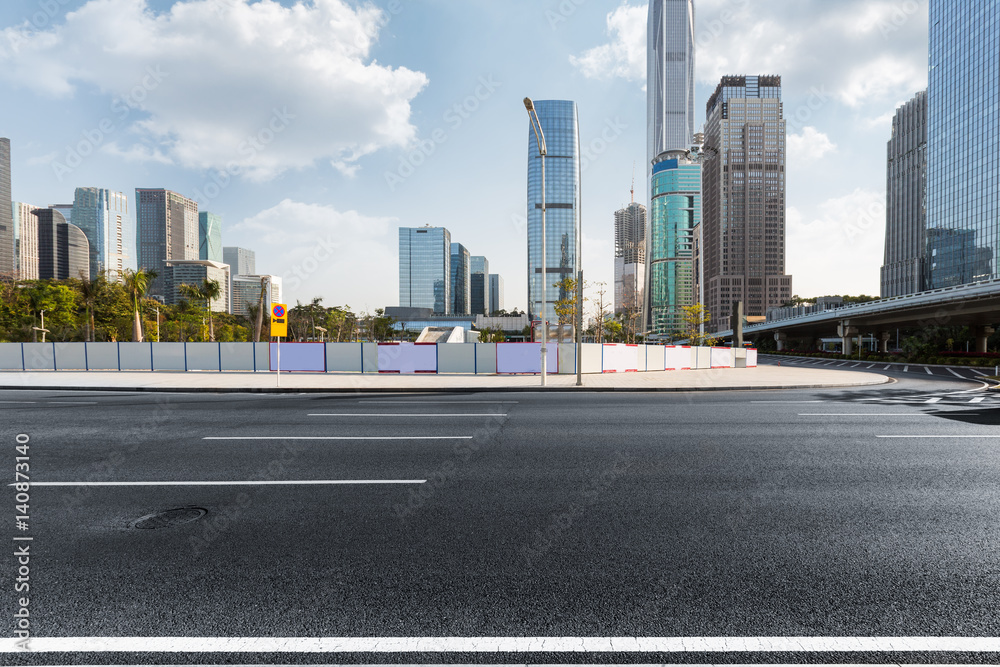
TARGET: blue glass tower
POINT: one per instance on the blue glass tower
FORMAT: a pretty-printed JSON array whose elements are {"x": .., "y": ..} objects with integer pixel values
[
  {"x": 209, "y": 236},
  {"x": 669, "y": 76},
  {"x": 104, "y": 217},
  {"x": 963, "y": 142},
  {"x": 425, "y": 268},
  {"x": 561, "y": 128},
  {"x": 676, "y": 199},
  {"x": 461, "y": 280}
]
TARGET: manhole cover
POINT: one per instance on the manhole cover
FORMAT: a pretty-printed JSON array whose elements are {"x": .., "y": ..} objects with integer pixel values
[{"x": 170, "y": 518}]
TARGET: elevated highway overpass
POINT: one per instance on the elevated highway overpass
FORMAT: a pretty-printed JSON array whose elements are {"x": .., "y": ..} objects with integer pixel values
[{"x": 976, "y": 305}]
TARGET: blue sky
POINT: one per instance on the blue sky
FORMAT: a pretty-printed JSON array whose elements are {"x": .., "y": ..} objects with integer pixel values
[{"x": 316, "y": 128}]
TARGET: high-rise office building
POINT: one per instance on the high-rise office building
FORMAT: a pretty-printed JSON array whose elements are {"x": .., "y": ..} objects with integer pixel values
[
  {"x": 66, "y": 210},
  {"x": 209, "y": 236},
  {"x": 26, "y": 256},
  {"x": 480, "y": 280},
  {"x": 241, "y": 261},
  {"x": 561, "y": 128},
  {"x": 195, "y": 272},
  {"x": 496, "y": 293},
  {"x": 461, "y": 280},
  {"x": 669, "y": 77},
  {"x": 676, "y": 213},
  {"x": 425, "y": 268},
  {"x": 8, "y": 264},
  {"x": 743, "y": 189},
  {"x": 167, "y": 225},
  {"x": 246, "y": 293},
  {"x": 963, "y": 142},
  {"x": 905, "y": 199},
  {"x": 105, "y": 217},
  {"x": 630, "y": 258},
  {"x": 63, "y": 249}
]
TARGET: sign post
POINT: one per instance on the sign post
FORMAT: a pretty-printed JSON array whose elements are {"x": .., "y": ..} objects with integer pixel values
[{"x": 279, "y": 329}]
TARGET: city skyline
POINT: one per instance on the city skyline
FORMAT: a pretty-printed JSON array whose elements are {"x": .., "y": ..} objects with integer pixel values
[{"x": 359, "y": 202}]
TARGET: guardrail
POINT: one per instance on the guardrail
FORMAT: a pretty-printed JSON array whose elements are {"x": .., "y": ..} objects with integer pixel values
[{"x": 440, "y": 358}]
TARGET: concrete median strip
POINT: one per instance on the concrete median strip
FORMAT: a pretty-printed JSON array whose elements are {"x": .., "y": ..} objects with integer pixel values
[{"x": 506, "y": 644}]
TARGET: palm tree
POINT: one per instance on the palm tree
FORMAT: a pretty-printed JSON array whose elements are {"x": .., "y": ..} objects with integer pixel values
[
  {"x": 90, "y": 290},
  {"x": 209, "y": 291},
  {"x": 136, "y": 284}
]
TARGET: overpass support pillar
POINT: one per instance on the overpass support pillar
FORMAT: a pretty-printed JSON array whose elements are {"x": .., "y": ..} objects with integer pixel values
[
  {"x": 982, "y": 338},
  {"x": 884, "y": 339},
  {"x": 781, "y": 339},
  {"x": 847, "y": 333}
]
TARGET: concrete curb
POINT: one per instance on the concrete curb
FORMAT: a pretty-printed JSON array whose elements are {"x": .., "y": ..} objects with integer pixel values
[{"x": 439, "y": 390}]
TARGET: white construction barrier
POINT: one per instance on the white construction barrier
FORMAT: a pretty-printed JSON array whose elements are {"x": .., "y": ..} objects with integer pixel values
[
  {"x": 135, "y": 356},
  {"x": 407, "y": 358},
  {"x": 204, "y": 357},
  {"x": 679, "y": 358},
  {"x": 486, "y": 358},
  {"x": 170, "y": 357},
  {"x": 300, "y": 357},
  {"x": 722, "y": 357},
  {"x": 751, "y": 358},
  {"x": 656, "y": 357},
  {"x": 620, "y": 358},
  {"x": 236, "y": 356},
  {"x": 525, "y": 358},
  {"x": 102, "y": 356},
  {"x": 343, "y": 357},
  {"x": 456, "y": 358}
]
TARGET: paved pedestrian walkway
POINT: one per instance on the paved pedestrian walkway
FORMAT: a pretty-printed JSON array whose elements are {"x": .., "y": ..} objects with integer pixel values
[{"x": 763, "y": 377}]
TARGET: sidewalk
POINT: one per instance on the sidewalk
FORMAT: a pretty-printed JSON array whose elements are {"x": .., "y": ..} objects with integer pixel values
[{"x": 726, "y": 379}]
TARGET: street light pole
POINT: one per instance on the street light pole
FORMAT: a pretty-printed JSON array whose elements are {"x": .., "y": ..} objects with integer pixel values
[{"x": 536, "y": 126}]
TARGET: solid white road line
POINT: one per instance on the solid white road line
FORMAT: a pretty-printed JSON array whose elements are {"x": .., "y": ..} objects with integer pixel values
[
  {"x": 19, "y": 402},
  {"x": 928, "y": 371},
  {"x": 871, "y": 366},
  {"x": 412, "y": 414},
  {"x": 978, "y": 400},
  {"x": 933, "y": 400},
  {"x": 72, "y": 402},
  {"x": 300, "y": 482},
  {"x": 906, "y": 369},
  {"x": 440, "y": 402},
  {"x": 505, "y": 644},
  {"x": 341, "y": 437},
  {"x": 956, "y": 374},
  {"x": 937, "y": 436},
  {"x": 889, "y": 366},
  {"x": 878, "y": 414},
  {"x": 784, "y": 402}
]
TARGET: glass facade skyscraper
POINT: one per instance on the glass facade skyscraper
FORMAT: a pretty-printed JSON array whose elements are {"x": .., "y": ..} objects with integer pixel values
[
  {"x": 676, "y": 211},
  {"x": 461, "y": 280},
  {"x": 905, "y": 199},
  {"x": 630, "y": 258},
  {"x": 104, "y": 216},
  {"x": 560, "y": 125},
  {"x": 963, "y": 143},
  {"x": 496, "y": 293},
  {"x": 8, "y": 264},
  {"x": 669, "y": 77},
  {"x": 209, "y": 236},
  {"x": 425, "y": 268},
  {"x": 167, "y": 227},
  {"x": 743, "y": 219},
  {"x": 480, "y": 280}
]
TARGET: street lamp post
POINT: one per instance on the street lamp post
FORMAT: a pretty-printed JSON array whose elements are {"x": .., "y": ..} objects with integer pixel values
[{"x": 536, "y": 126}]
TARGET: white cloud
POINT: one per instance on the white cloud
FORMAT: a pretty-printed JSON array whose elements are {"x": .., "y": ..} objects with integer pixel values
[
  {"x": 213, "y": 84},
  {"x": 809, "y": 146},
  {"x": 137, "y": 153},
  {"x": 625, "y": 55},
  {"x": 863, "y": 50},
  {"x": 319, "y": 251},
  {"x": 839, "y": 250}
]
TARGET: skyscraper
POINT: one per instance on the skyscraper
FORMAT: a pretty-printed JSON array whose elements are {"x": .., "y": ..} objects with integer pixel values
[
  {"x": 209, "y": 236},
  {"x": 480, "y": 280},
  {"x": 561, "y": 127},
  {"x": 676, "y": 212},
  {"x": 963, "y": 142},
  {"x": 63, "y": 249},
  {"x": 26, "y": 241},
  {"x": 496, "y": 293},
  {"x": 905, "y": 198},
  {"x": 743, "y": 188},
  {"x": 630, "y": 258},
  {"x": 669, "y": 77},
  {"x": 425, "y": 268},
  {"x": 104, "y": 216},
  {"x": 8, "y": 265},
  {"x": 461, "y": 280},
  {"x": 241, "y": 261},
  {"x": 167, "y": 225},
  {"x": 195, "y": 272}
]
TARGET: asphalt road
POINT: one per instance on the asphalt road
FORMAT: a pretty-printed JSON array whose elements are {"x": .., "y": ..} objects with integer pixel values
[{"x": 820, "y": 513}]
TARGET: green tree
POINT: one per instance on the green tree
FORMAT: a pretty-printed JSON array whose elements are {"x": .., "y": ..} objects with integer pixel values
[
  {"x": 137, "y": 283},
  {"x": 692, "y": 319},
  {"x": 208, "y": 291}
]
